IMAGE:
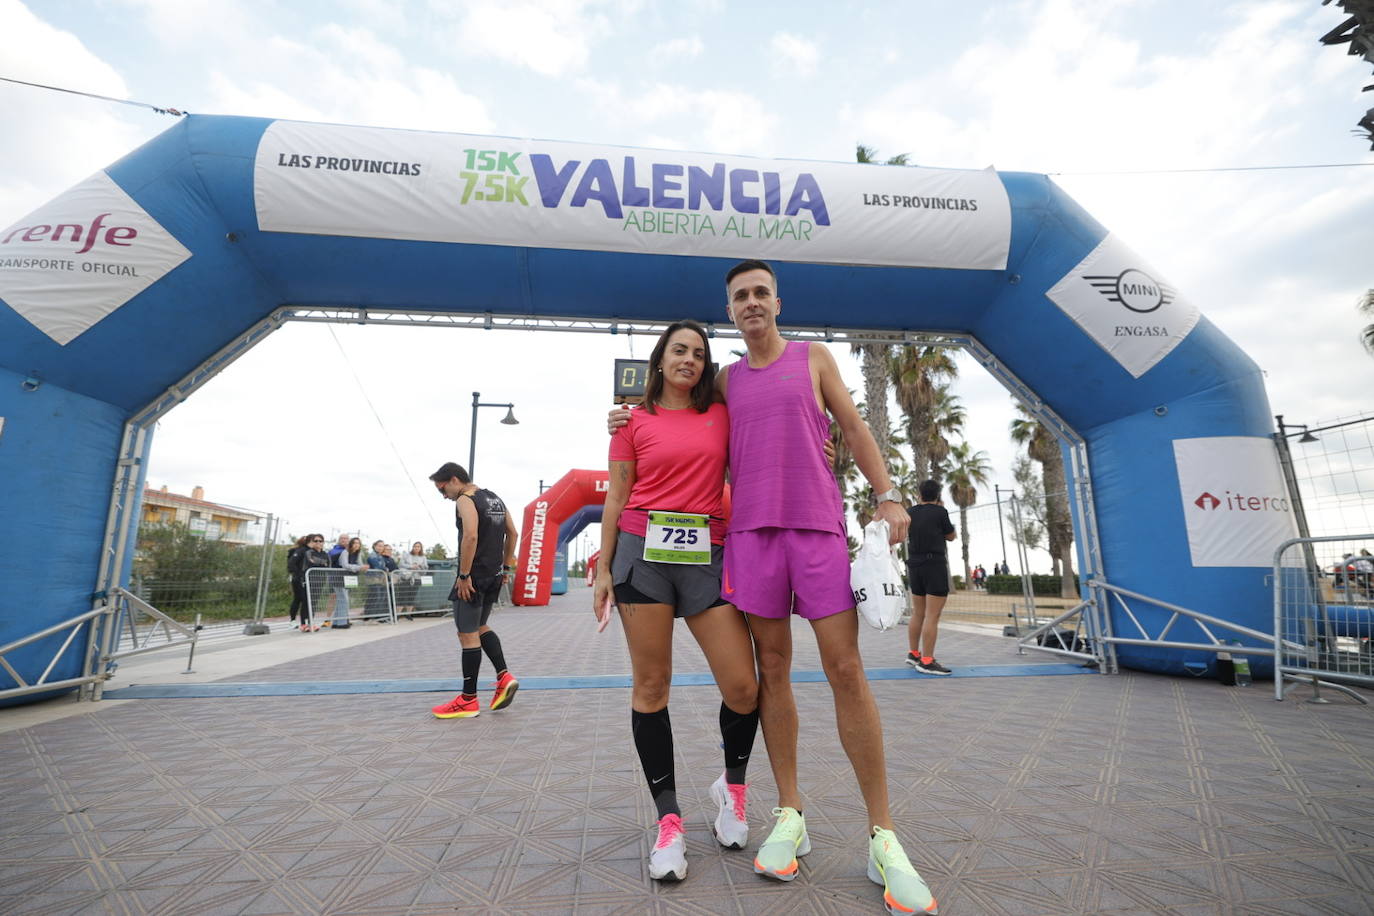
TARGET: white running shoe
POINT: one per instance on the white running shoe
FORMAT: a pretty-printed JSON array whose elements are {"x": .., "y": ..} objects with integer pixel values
[
  {"x": 732, "y": 826},
  {"x": 668, "y": 858}
]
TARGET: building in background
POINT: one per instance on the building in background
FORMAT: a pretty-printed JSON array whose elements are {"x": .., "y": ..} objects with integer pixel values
[{"x": 226, "y": 523}]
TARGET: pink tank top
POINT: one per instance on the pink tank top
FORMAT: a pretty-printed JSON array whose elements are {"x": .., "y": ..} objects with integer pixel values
[{"x": 779, "y": 477}]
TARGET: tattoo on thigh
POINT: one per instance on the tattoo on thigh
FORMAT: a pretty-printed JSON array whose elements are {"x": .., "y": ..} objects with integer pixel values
[{"x": 627, "y": 610}]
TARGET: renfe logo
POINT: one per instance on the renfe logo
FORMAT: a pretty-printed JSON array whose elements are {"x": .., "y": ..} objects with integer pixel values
[
  {"x": 1235, "y": 502},
  {"x": 84, "y": 235}
]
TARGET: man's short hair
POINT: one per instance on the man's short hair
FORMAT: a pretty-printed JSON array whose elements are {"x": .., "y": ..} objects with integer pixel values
[
  {"x": 745, "y": 267},
  {"x": 449, "y": 470},
  {"x": 929, "y": 490}
]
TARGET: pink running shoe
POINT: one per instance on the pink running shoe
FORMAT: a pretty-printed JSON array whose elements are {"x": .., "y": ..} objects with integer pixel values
[{"x": 668, "y": 858}]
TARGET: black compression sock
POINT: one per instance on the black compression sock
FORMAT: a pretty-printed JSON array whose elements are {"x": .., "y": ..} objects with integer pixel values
[
  {"x": 737, "y": 731},
  {"x": 472, "y": 663},
  {"x": 653, "y": 735},
  {"x": 491, "y": 644}
]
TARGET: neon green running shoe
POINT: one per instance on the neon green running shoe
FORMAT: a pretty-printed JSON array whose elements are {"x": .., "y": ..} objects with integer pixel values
[
  {"x": 777, "y": 857},
  {"x": 903, "y": 890}
]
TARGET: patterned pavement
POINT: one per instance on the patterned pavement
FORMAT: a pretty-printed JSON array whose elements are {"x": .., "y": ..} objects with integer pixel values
[{"x": 1013, "y": 795}]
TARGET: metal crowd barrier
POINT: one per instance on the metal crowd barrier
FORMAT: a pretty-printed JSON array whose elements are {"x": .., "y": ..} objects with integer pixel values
[
  {"x": 1324, "y": 615},
  {"x": 338, "y": 598}
]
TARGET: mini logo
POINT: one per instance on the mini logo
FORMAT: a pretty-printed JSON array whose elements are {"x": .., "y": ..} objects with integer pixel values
[
  {"x": 784, "y": 378},
  {"x": 1134, "y": 289},
  {"x": 1207, "y": 501},
  {"x": 658, "y": 780}
]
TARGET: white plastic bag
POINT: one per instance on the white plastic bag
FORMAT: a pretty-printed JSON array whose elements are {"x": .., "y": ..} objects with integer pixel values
[{"x": 877, "y": 580}]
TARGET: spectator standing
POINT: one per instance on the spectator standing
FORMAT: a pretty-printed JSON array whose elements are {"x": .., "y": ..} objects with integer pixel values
[
  {"x": 313, "y": 557},
  {"x": 350, "y": 561},
  {"x": 928, "y": 572},
  {"x": 374, "y": 609},
  {"x": 339, "y": 593},
  {"x": 413, "y": 566},
  {"x": 293, "y": 570}
]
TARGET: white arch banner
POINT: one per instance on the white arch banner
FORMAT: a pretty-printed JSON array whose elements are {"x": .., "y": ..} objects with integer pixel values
[{"x": 375, "y": 183}]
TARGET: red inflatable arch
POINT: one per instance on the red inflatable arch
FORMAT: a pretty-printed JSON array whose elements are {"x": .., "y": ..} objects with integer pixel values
[{"x": 534, "y": 576}]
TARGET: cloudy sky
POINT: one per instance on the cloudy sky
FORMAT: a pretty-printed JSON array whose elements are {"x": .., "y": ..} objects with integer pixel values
[{"x": 1086, "y": 91}]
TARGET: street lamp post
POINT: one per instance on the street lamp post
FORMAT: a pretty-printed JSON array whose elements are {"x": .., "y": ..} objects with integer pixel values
[{"x": 509, "y": 420}]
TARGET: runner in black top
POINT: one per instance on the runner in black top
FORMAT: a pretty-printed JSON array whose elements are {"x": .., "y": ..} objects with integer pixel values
[
  {"x": 928, "y": 573},
  {"x": 486, "y": 554}
]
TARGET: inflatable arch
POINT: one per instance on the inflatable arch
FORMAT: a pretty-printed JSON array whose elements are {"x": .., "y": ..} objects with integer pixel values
[
  {"x": 124, "y": 294},
  {"x": 579, "y": 520},
  {"x": 553, "y": 518}
]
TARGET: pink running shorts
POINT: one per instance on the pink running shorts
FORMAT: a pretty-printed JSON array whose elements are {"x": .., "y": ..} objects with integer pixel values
[{"x": 771, "y": 572}]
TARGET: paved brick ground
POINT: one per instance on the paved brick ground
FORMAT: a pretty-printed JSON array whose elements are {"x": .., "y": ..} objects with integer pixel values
[{"x": 1014, "y": 795}]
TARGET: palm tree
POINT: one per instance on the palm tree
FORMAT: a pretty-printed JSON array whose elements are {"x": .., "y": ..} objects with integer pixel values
[
  {"x": 1366, "y": 305},
  {"x": 917, "y": 375},
  {"x": 947, "y": 417},
  {"x": 1043, "y": 447},
  {"x": 968, "y": 470},
  {"x": 874, "y": 355}
]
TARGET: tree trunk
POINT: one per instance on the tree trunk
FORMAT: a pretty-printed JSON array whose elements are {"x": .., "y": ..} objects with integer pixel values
[
  {"x": 918, "y": 434},
  {"x": 963, "y": 543},
  {"x": 1058, "y": 521},
  {"x": 875, "y": 394}
]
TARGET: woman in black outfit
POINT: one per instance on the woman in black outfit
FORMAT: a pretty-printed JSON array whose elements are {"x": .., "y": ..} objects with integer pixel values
[{"x": 311, "y": 557}]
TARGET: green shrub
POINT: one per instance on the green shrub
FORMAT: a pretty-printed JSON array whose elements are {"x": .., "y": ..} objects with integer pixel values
[
  {"x": 182, "y": 573},
  {"x": 1041, "y": 585}
]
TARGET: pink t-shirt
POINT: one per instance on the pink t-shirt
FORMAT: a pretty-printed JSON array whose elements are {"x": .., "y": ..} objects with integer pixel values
[{"x": 679, "y": 460}]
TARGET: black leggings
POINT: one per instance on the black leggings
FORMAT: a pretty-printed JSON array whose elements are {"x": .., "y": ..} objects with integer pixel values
[{"x": 298, "y": 600}]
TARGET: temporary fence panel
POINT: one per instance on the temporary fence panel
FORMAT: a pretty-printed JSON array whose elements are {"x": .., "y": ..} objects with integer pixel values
[
  {"x": 423, "y": 592},
  {"x": 338, "y": 597},
  {"x": 1324, "y": 614}
]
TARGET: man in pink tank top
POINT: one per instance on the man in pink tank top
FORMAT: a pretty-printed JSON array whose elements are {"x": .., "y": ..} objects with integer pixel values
[{"x": 785, "y": 552}]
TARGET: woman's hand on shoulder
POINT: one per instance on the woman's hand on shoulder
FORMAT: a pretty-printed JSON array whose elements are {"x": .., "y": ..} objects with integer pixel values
[{"x": 616, "y": 418}]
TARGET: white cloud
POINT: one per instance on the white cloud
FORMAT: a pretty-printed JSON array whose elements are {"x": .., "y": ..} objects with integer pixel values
[
  {"x": 59, "y": 139},
  {"x": 689, "y": 48},
  {"x": 347, "y": 75},
  {"x": 1077, "y": 93},
  {"x": 792, "y": 53},
  {"x": 550, "y": 37},
  {"x": 707, "y": 120}
]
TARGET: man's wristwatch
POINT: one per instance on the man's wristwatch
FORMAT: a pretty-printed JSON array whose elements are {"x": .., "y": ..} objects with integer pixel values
[
  {"x": 465, "y": 575},
  {"x": 888, "y": 496}
]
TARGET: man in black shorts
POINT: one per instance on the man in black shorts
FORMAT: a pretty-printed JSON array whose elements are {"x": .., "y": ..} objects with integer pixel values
[
  {"x": 486, "y": 555},
  {"x": 928, "y": 573}
]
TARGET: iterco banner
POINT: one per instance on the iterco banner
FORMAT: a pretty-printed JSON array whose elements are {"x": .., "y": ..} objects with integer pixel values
[
  {"x": 1234, "y": 500},
  {"x": 1121, "y": 303},
  {"x": 373, "y": 183},
  {"x": 81, "y": 256}
]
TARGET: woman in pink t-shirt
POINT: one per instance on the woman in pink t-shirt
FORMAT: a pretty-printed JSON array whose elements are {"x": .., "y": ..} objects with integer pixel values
[{"x": 663, "y": 535}]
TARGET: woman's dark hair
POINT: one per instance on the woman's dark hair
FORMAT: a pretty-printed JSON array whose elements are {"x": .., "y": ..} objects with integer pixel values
[
  {"x": 703, "y": 391},
  {"x": 311, "y": 537},
  {"x": 419, "y": 545},
  {"x": 349, "y": 549},
  {"x": 303, "y": 540}
]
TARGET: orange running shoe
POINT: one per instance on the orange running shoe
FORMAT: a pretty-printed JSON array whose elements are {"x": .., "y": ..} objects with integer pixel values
[
  {"x": 460, "y": 707},
  {"x": 506, "y": 685}
]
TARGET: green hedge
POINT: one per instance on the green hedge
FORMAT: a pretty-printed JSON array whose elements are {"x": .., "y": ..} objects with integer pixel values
[{"x": 1042, "y": 586}]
